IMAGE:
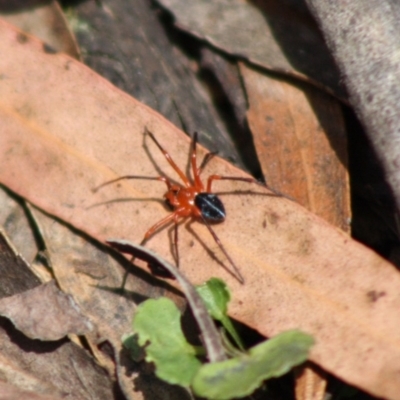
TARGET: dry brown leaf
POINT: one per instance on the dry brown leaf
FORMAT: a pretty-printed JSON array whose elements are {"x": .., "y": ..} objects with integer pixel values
[
  {"x": 279, "y": 36},
  {"x": 28, "y": 363},
  {"x": 16, "y": 277},
  {"x": 14, "y": 221},
  {"x": 94, "y": 278},
  {"x": 58, "y": 369},
  {"x": 45, "y": 20},
  {"x": 311, "y": 383},
  {"x": 10, "y": 392},
  {"x": 45, "y": 313},
  {"x": 300, "y": 272},
  {"x": 300, "y": 139}
]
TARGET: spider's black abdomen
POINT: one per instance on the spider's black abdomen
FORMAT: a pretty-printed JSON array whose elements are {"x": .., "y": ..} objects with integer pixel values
[{"x": 210, "y": 206}]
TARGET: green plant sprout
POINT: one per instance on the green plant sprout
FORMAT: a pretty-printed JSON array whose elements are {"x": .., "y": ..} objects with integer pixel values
[
  {"x": 157, "y": 324},
  {"x": 216, "y": 297},
  {"x": 157, "y": 327}
]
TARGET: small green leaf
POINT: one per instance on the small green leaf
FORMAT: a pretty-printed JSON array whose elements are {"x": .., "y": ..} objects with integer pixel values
[
  {"x": 216, "y": 297},
  {"x": 157, "y": 322},
  {"x": 240, "y": 376}
]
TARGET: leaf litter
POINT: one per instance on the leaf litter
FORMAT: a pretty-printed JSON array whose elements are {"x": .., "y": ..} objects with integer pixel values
[
  {"x": 45, "y": 313},
  {"x": 25, "y": 363},
  {"x": 300, "y": 272}
]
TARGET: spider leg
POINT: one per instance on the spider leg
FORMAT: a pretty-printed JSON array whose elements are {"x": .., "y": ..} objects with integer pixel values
[
  {"x": 212, "y": 178},
  {"x": 184, "y": 178},
  {"x": 165, "y": 221},
  {"x": 193, "y": 160},
  {"x": 150, "y": 178},
  {"x": 207, "y": 158},
  {"x": 237, "y": 274},
  {"x": 277, "y": 193},
  {"x": 175, "y": 243}
]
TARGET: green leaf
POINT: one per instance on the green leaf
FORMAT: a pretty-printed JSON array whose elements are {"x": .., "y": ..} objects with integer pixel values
[
  {"x": 240, "y": 376},
  {"x": 216, "y": 297},
  {"x": 157, "y": 323}
]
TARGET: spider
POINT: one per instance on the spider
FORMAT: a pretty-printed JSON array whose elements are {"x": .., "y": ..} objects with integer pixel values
[{"x": 191, "y": 199}]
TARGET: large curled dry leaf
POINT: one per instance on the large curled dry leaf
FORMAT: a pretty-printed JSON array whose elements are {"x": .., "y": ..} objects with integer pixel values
[{"x": 65, "y": 131}]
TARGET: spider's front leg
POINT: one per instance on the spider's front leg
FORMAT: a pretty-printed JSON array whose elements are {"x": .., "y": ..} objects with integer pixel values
[
  {"x": 175, "y": 216},
  {"x": 212, "y": 178},
  {"x": 157, "y": 226}
]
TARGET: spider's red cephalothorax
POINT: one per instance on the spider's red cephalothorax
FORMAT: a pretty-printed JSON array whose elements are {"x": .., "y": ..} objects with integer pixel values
[{"x": 191, "y": 199}]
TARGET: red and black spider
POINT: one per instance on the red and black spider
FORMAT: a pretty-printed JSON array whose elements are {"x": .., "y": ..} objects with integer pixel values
[{"x": 191, "y": 199}]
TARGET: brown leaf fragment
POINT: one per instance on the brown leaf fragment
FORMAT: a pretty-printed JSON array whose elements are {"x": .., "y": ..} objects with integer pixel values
[
  {"x": 57, "y": 368},
  {"x": 300, "y": 139},
  {"x": 45, "y": 313},
  {"x": 276, "y": 35},
  {"x": 11, "y": 392},
  {"x": 45, "y": 20},
  {"x": 16, "y": 277},
  {"x": 14, "y": 222},
  {"x": 13, "y": 372},
  {"x": 310, "y": 383}
]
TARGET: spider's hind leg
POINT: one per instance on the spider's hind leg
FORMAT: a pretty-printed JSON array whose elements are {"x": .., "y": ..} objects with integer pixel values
[
  {"x": 175, "y": 242},
  {"x": 236, "y": 272}
]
